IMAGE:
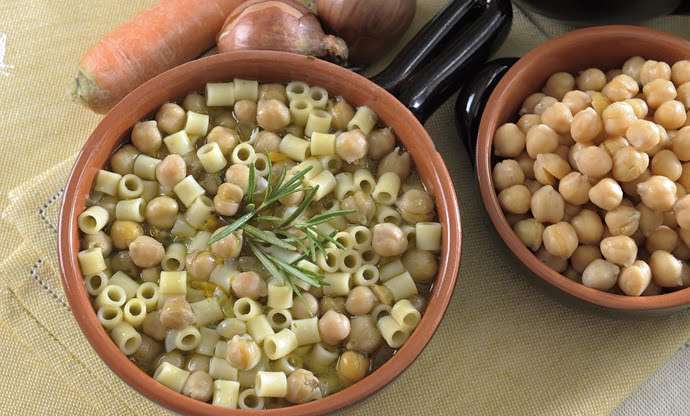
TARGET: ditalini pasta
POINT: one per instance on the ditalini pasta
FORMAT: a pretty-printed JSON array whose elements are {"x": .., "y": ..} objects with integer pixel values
[{"x": 266, "y": 251}]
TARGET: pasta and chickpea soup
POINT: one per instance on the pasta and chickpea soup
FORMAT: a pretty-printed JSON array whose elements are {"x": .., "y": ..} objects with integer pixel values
[
  {"x": 594, "y": 176},
  {"x": 259, "y": 246}
]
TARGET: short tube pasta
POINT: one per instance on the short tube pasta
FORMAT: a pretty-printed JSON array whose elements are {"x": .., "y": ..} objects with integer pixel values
[
  {"x": 188, "y": 190},
  {"x": 186, "y": 339},
  {"x": 246, "y": 90},
  {"x": 401, "y": 286},
  {"x": 345, "y": 239},
  {"x": 364, "y": 119},
  {"x": 130, "y": 187},
  {"x": 150, "y": 190},
  {"x": 173, "y": 283},
  {"x": 322, "y": 144},
  {"x": 127, "y": 283},
  {"x": 179, "y": 143},
  {"x": 207, "y": 311},
  {"x": 207, "y": 344},
  {"x": 321, "y": 357},
  {"x": 279, "y": 319},
  {"x": 95, "y": 283},
  {"x": 226, "y": 393},
  {"x": 199, "y": 242},
  {"x": 279, "y": 297},
  {"x": 211, "y": 157},
  {"x": 220, "y": 94},
  {"x": 380, "y": 311},
  {"x": 387, "y": 188},
  {"x": 349, "y": 261},
  {"x": 314, "y": 166},
  {"x": 130, "y": 210},
  {"x": 262, "y": 165},
  {"x": 297, "y": 90},
  {"x": 294, "y": 147},
  {"x": 145, "y": 167},
  {"x": 111, "y": 295},
  {"x": 361, "y": 236},
  {"x": 220, "y": 368},
  {"x": 107, "y": 182},
  {"x": 270, "y": 384},
  {"x": 385, "y": 213},
  {"x": 170, "y": 376},
  {"x": 181, "y": 228},
  {"x": 331, "y": 162},
  {"x": 391, "y": 269},
  {"x": 328, "y": 261},
  {"x": 243, "y": 154},
  {"x": 93, "y": 219},
  {"x": 246, "y": 308},
  {"x": 391, "y": 331},
  {"x": 318, "y": 121},
  {"x": 249, "y": 400},
  {"x": 200, "y": 211},
  {"x": 149, "y": 294},
  {"x": 406, "y": 315},
  {"x": 109, "y": 316},
  {"x": 127, "y": 339},
  {"x": 197, "y": 124},
  {"x": 306, "y": 331},
  {"x": 174, "y": 258},
  {"x": 337, "y": 284},
  {"x": 279, "y": 345},
  {"x": 369, "y": 256},
  {"x": 428, "y": 235},
  {"x": 318, "y": 97},
  {"x": 345, "y": 185},
  {"x": 366, "y": 275},
  {"x": 326, "y": 183},
  {"x": 299, "y": 111},
  {"x": 364, "y": 180},
  {"x": 134, "y": 312},
  {"x": 91, "y": 261},
  {"x": 259, "y": 328}
]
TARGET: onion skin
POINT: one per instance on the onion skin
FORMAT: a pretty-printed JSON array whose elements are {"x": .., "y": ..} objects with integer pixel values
[
  {"x": 282, "y": 25},
  {"x": 368, "y": 26}
]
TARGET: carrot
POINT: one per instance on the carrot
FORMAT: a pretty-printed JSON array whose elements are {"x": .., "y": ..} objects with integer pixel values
[{"x": 168, "y": 34}]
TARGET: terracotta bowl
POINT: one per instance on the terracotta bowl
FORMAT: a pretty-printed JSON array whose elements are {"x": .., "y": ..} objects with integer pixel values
[
  {"x": 601, "y": 47},
  {"x": 263, "y": 66}
]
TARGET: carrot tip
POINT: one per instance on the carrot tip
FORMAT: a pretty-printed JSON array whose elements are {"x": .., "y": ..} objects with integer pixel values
[{"x": 85, "y": 91}]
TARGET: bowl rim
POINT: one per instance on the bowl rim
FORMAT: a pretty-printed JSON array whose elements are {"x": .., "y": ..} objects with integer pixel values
[
  {"x": 489, "y": 123},
  {"x": 79, "y": 300}
]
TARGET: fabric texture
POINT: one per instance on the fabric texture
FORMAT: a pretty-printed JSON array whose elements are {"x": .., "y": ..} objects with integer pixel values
[{"x": 507, "y": 346}]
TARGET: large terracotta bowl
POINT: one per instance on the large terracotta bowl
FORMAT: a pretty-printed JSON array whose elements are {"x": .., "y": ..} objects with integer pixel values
[
  {"x": 600, "y": 47},
  {"x": 263, "y": 66}
]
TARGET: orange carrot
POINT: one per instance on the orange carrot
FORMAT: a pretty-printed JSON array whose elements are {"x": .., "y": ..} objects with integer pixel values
[{"x": 168, "y": 34}]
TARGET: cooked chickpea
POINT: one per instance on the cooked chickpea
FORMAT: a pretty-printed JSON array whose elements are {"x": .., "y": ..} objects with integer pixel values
[
  {"x": 396, "y": 162},
  {"x": 617, "y": 118},
  {"x": 161, "y": 212},
  {"x": 389, "y": 240},
  {"x": 663, "y": 238},
  {"x": 639, "y": 106},
  {"x": 558, "y": 117},
  {"x": 176, "y": 313},
  {"x": 643, "y": 135},
  {"x": 600, "y": 274},
  {"x": 530, "y": 102},
  {"x": 226, "y": 138},
  {"x": 305, "y": 307},
  {"x": 560, "y": 239},
  {"x": 507, "y": 173},
  {"x": 543, "y": 104},
  {"x": 541, "y": 139},
  {"x": 364, "y": 207},
  {"x": 515, "y": 199},
  {"x": 195, "y": 102},
  {"x": 360, "y": 301},
  {"x": 228, "y": 198},
  {"x": 99, "y": 239},
  {"x": 583, "y": 256},
  {"x": 666, "y": 269},
  {"x": 171, "y": 170},
  {"x": 352, "y": 367},
  {"x": 273, "y": 92},
  {"x": 509, "y": 140},
  {"x": 199, "y": 386},
  {"x": 547, "y": 204},
  {"x": 238, "y": 175},
  {"x": 342, "y": 113},
  {"x": 599, "y": 102},
  {"x": 619, "y": 249},
  {"x": 558, "y": 84},
  {"x": 146, "y": 137},
  {"x": 671, "y": 115},
  {"x": 146, "y": 251},
  {"x": 381, "y": 143},
  {"x": 576, "y": 101},
  {"x": 147, "y": 353},
  {"x": 245, "y": 112},
  {"x": 422, "y": 265},
  {"x": 416, "y": 205},
  {"x": 680, "y": 72},
  {"x": 593, "y": 161},
  {"x": 681, "y": 211},
  {"x": 302, "y": 387},
  {"x": 171, "y": 118},
  {"x": 658, "y": 92},
  {"x": 271, "y": 114},
  {"x": 558, "y": 264},
  {"x": 624, "y": 220},
  {"x": 334, "y": 327},
  {"x": 629, "y": 164},
  {"x": 530, "y": 232},
  {"x": 588, "y": 226},
  {"x": 621, "y": 88},
  {"x": 652, "y": 70},
  {"x": 121, "y": 262},
  {"x": 122, "y": 161},
  {"x": 199, "y": 265},
  {"x": 591, "y": 79},
  {"x": 333, "y": 304},
  {"x": 364, "y": 336},
  {"x": 666, "y": 163},
  {"x": 351, "y": 145},
  {"x": 683, "y": 92},
  {"x": 664, "y": 141},
  {"x": 586, "y": 126},
  {"x": 528, "y": 121},
  {"x": 153, "y": 327},
  {"x": 123, "y": 233},
  {"x": 173, "y": 357},
  {"x": 635, "y": 278},
  {"x": 606, "y": 194},
  {"x": 613, "y": 73},
  {"x": 249, "y": 285},
  {"x": 680, "y": 144},
  {"x": 632, "y": 67},
  {"x": 242, "y": 352},
  {"x": 658, "y": 193},
  {"x": 229, "y": 247}
]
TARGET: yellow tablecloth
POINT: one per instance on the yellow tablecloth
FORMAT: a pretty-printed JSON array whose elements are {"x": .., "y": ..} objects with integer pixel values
[{"x": 505, "y": 347}]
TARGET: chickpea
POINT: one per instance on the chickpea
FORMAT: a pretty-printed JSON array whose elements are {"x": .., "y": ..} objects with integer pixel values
[
  {"x": 362, "y": 204},
  {"x": 528, "y": 121},
  {"x": 516, "y": 199},
  {"x": 577, "y": 101},
  {"x": 563, "y": 151},
  {"x": 614, "y": 144},
  {"x": 174, "y": 357},
  {"x": 195, "y": 102},
  {"x": 588, "y": 226},
  {"x": 671, "y": 115},
  {"x": 658, "y": 92},
  {"x": 333, "y": 327},
  {"x": 381, "y": 143},
  {"x": 161, "y": 212},
  {"x": 352, "y": 367},
  {"x": 364, "y": 336},
  {"x": 123, "y": 233},
  {"x": 302, "y": 387},
  {"x": 639, "y": 106},
  {"x": 548, "y": 167},
  {"x": 543, "y": 104},
  {"x": 229, "y": 327},
  {"x": 507, "y": 173},
  {"x": 197, "y": 362},
  {"x": 229, "y": 247},
  {"x": 599, "y": 102},
  {"x": 558, "y": 264},
  {"x": 547, "y": 205},
  {"x": 586, "y": 126},
  {"x": 681, "y": 211},
  {"x": 619, "y": 249},
  {"x": 683, "y": 92},
  {"x": 242, "y": 352},
  {"x": 121, "y": 262},
  {"x": 388, "y": 240},
  {"x": 529, "y": 231},
  {"x": 422, "y": 265},
  {"x": 228, "y": 198},
  {"x": 558, "y": 84},
  {"x": 146, "y": 137},
  {"x": 416, "y": 205},
  {"x": 635, "y": 278},
  {"x": 249, "y": 285},
  {"x": 665, "y": 163},
  {"x": 606, "y": 194},
  {"x": 680, "y": 72},
  {"x": 621, "y": 88},
  {"x": 530, "y": 102},
  {"x": 153, "y": 327},
  {"x": 591, "y": 79},
  {"x": 658, "y": 193},
  {"x": 663, "y": 238},
  {"x": 664, "y": 141},
  {"x": 623, "y": 220},
  {"x": 342, "y": 113},
  {"x": 360, "y": 301},
  {"x": 583, "y": 256},
  {"x": 226, "y": 138},
  {"x": 273, "y": 92},
  {"x": 272, "y": 115},
  {"x": 560, "y": 239},
  {"x": 305, "y": 307},
  {"x": 652, "y": 70},
  {"x": 100, "y": 239},
  {"x": 681, "y": 144},
  {"x": 351, "y": 145},
  {"x": 171, "y": 118},
  {"x": 613, "y": 73},
  {"x": 147, "y": 353},
  {"x": 199, "y": 386},
  {"x": 600, "y": 274},
  {"x": 632, "y": 67},
  {"x": 333, "y": 304},
  {"x": 238, "y": 175},
  {"x": 199, "y": 265},
  {"x": 617, "y": 118},
  {"x": 629, "y": 164},
  {"x": 666, "y": 269},
  {"x": 176, "y": 313},
  {"x": 246, "y": 111},
  {"x": 146, "y": 252},
  {"x": 541, "y": 139},
  {"x": 122, "y": 162},
  {"x": 593, "y": 161},
  {"x": 558, "y": 117},
  {"x": 171, "y": 170}
]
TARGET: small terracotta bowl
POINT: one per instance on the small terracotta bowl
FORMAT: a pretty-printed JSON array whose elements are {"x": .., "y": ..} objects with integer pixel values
[
  {"x": 603, "y": 47},
  {"x": 272, "y": 67}
]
